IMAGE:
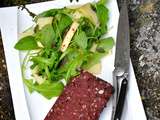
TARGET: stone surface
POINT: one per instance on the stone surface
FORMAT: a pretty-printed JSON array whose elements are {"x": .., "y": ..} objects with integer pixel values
[{"x": 145, "y": 53}]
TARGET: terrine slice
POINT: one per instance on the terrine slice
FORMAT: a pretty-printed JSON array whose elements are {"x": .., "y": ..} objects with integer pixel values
[{"x": 83, "y": 98}]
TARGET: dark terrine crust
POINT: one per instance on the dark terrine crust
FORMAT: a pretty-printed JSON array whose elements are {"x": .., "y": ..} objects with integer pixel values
[{"x": 83, "y": 98}]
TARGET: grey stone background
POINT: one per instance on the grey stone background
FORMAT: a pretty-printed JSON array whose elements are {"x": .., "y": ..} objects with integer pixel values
[
  {"x": 145, "y": 52},
  {"x": 144, "y": 17}
]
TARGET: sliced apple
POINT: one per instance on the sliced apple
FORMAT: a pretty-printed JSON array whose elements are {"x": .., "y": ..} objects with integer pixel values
[
  {"x": 88, "y": 12},
  {"x": 26, "y": 33},
  {"x": 95, "y": 69},
  {"x": 42, "y": 21}
]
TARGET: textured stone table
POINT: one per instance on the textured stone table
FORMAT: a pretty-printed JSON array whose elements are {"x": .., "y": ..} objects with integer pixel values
[
  {"x": 145, "y": 53},
  {"x": 144, "y": 18}
]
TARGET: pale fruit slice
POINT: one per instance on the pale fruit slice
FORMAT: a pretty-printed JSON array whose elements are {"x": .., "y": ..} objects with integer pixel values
[
  {"x": 95, "y": 69},
  {"x": 88, "y": 12},
  {"x": 42, "y": 21},
  {"x": 28, "y": 32}
]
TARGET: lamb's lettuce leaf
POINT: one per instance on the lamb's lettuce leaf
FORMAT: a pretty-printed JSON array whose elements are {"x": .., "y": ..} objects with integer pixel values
[{"x": 27, "y": 43}]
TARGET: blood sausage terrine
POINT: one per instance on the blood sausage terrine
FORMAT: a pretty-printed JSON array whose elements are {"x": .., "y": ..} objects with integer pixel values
[{"x": 83, "y": 98}]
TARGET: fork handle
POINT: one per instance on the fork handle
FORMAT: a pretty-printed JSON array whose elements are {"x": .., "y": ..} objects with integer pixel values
[{"x": 121, "y": 99}]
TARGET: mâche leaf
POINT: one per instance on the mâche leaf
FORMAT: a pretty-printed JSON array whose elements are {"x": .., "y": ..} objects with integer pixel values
[
  {"x": 48, "y": 13},
  {"x": 63, "y": 23},
  {"x": 87, "y": 27},
  {"x": 53, "y": 12},
  {"x": 80, "y": 39},
  {"x": 105, "y": 44},
  {"x": 47, "y": 89},
  {"x": 93, "y": 58},
  {"x": 73, "y": 66},
  {"x": 46, "y": 36},
  {"x": 26, "y": 43},
  {"x": 102, "y": 13}
]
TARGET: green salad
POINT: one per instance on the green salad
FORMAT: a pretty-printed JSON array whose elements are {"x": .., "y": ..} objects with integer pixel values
[{"x": 61, "y": 43}]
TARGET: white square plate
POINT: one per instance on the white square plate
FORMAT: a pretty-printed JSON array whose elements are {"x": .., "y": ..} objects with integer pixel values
[{"x": 34, "y": 106}]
